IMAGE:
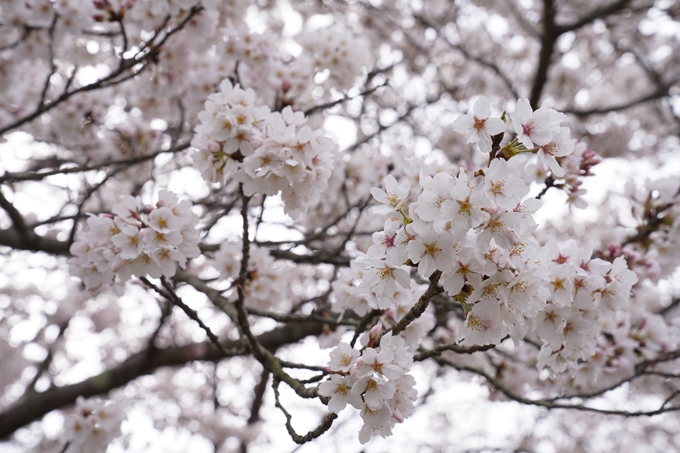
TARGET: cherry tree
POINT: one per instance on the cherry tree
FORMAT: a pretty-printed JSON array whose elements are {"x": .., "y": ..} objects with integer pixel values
[{"x": 303, "y": 222}]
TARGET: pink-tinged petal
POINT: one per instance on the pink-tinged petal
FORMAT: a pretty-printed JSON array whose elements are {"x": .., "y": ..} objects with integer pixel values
[
  {"x": 391, "y": 184},
  {"x": 463, "y": 124},
  {"x": 473, "y": 136},
  {"x": 379, "y": 195},
  {"x": 541, "y": 136},
  {"x": 426, "y": 266},
  {"x": 494, "y": 126},
  {"x": 453, "y": 284},
  {"x": 485, "y": 143},
  {"x": 555, "y": 168},
  {"x": 336, "y": 404},
  {"x": 402, "y": 277},
  {"x": 482, "y": 108},
  {"x": 524, "y": 139},
  {"x": 523, "y": 110}
]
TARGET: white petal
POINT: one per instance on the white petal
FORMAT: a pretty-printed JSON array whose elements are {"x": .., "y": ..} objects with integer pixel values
[
  {"x": 482, "y": 108},
  {"x": 463, "y": 124},
  {"x": 494, "y": 126}
]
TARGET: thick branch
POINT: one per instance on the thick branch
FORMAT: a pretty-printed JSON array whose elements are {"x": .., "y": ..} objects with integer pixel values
[
  {"x": 420, "y": 306},
  {"x": 11, "y": 237},
  {"x": 594, "y": 15},
  {"x": 659, "y": 93},
  {"x": 548, "y": 40},
  {"x": 37, "y": 405}
]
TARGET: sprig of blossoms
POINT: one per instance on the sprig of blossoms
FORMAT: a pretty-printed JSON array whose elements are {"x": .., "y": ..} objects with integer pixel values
[
  {"x": 477, "y": 230},
  {"x": 479, "y": 128},
  {"x": 537, "y": 131},
  {"x": 478, "y": 233},
  {"x": 93, "y": 425},
  {"x": 268, "y": 152},
  {"x": 135, "y": 240},
  {"x": 374, "y": 381}
]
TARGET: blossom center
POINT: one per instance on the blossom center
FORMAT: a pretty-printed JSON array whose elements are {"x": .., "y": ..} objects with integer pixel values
[
  {"x": 498, "y": 187},
  {"x": 386, "y": 274},
  {"x": 479, "y": 123},
  {"x": 432, "y": 250}
]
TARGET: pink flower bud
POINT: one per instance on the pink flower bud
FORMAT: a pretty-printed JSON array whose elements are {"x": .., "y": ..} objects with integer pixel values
[
  {"x": 397, "y": 416},
  {"x": 213, "y": 146},
  {"x": 375, "y": 331}
]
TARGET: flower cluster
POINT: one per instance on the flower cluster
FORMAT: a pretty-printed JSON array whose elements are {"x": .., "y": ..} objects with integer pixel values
[
  {"x": 268, "y": 152},
  {"x": 93, "y": 425},
  {"x": 477, "y": 231},
  {"x": 537, "y": 131},
  {"x": 375, "y": 381},
  {"x": 135, "y": 240}
]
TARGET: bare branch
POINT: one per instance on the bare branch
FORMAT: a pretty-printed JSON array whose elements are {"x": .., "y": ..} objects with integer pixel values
[{"x": 547, "y": 403}]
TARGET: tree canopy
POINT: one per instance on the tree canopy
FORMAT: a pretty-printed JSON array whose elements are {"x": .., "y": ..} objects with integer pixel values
[{"x": 246, "y": 225}]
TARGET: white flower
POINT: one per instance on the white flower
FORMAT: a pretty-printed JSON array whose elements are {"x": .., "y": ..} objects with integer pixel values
[
  {"x": 342, "y": 358},
  {"x": 393, "y": 198},
  {"x": 482, "y": 324},
  {"x": 338, "y": 388},
  {"x": 478, "y": 127},
  {"x": 163, "y": 220},
  {"x": 466, "y": 267},
  {"x": 382, "y": 279},
  {"x": 466, "y": 209},
  {"x": 130, "y": 241},
  {"x": 561, "y": 285},
  {"x": 93, "y": 425},
  {"x": 498, "y": 227},
  {"x": 435, "y": 192},
  {"x": 561, "y": 145},
  {"x": 374, "y": 390},
  {"x": 432, "y": 252},
  {"x": 526, "y": 295},
  {"x": 128, "y": 209},
  {"x": 376, "y": 421},
  {"x": 535, "y": 128},
  {"x": 385, "y": 244},
  {"x": 504, "y": 190},
  {"x": 402, "y": 357},
  {"x": 379, "y": 362}
]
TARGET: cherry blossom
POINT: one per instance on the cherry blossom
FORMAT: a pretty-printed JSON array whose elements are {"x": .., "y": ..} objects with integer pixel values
[
  {"x": 479, "y": 127},
  {"x": 285, "y": 193},
  {"x": 393, "y": 198},
  {"x": 535, "y": 128}
]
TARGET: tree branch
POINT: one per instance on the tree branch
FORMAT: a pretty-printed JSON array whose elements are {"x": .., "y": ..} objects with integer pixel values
[{"x": 34, "y": 406}]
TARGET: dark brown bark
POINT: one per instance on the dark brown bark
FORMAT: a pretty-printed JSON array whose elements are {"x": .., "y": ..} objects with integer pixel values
[{"x": 35, "y": 406}]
